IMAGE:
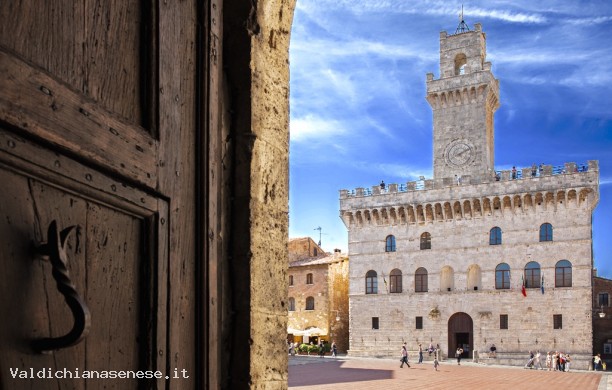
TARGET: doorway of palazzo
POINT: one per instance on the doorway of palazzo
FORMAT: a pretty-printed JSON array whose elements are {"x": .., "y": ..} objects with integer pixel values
[{"x": 460, "y": 333}]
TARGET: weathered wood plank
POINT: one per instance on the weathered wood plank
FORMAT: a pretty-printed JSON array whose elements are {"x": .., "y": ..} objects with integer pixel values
[
  {"x": 114, "y": 258},
  {"x": 93, "y": 46},
  {"x": 40, "y": 105},
  {"x": 177, "y": 69}
]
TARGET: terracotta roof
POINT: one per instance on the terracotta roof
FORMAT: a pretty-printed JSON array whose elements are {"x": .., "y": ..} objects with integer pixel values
[{"x": 318, "y": 260}]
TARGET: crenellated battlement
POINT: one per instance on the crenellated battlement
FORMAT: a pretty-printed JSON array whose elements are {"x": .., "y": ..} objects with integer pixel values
[{"x": 448, "y": 199}]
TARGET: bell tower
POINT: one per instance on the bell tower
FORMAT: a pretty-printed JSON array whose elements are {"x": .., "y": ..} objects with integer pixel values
[{"x": 463, "y": 101}]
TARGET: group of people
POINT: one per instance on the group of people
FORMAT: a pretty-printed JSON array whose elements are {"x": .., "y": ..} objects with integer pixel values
[
  {"x": 293, "y": 347},
  {"x": 431, "y": 350},
  {"x": 555, "y": 361}
]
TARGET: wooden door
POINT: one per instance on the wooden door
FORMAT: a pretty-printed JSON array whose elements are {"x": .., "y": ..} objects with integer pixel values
[
  {"x": 460, "y": 333},
  {"x": 98, "y": 130}
]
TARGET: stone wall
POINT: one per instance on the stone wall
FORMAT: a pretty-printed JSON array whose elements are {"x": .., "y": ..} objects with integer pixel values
[{"x": 459, "y": 219}]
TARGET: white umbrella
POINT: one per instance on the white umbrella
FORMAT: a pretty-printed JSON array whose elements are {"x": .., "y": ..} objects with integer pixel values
[
  {"x": 295, "y": 332},
  {"x": 314, "y": 331}
]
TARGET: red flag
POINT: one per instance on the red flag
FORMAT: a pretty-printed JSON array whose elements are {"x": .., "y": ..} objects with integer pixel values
[{"x": 523, "y": 287}]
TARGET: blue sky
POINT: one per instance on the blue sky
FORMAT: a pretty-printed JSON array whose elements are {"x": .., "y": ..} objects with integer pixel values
[{"x": 358, "y": 108}]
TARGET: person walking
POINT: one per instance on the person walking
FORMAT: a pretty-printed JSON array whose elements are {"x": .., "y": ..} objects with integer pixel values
[
  {"x": 458, "y": 354},
  {"x": 530, "y": 361},
  {"x": 549, "y": 361},
  {"x": 334, "y": 348},
  {"x": 436, "y": 362},
  {"x": 420, "y": 354},
  {"x": 537, "y": 361},
  {"x": 597, "y": 362},
  {"x": 404, "y": 356}
]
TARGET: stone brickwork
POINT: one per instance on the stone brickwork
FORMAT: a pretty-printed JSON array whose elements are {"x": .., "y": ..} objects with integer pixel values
[
  {"x": 328, "y": 286},
  {"x": 463, "y": 101},
  {"x": 304, "y": 248},
  {"x": 463, "y": 303},
  {"x": 602, "y": 326}
]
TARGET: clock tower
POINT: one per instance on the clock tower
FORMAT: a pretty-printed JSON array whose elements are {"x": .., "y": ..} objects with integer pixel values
[{"x": 463, "y": 101}]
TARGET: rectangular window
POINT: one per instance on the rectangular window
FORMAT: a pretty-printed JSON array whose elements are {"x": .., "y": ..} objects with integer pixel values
[
  {"x": 309, "y": 279},
  {"x": 503, "y": 321},
  {"x": 374, "y": 322},
  {"x": 604, "y": 300},
  {"x": 290, "y": 280},
  {"x": 607, "y": 349},
  {"x": 557, "y": 321},
  {"x": 419, "y": 322}
]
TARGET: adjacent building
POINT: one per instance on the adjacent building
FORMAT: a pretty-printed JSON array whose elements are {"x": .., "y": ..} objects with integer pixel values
[
  {"x": 602, "y": 319},
  {"x": 473, "y": 256},
  {"x": 318, "y": 295}
]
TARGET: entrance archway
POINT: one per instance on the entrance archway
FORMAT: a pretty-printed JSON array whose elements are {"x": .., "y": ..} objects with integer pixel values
[{"x": 460, "y": 333}]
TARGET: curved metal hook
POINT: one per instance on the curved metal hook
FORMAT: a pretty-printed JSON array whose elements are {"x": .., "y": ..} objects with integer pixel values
[{"x": 56, "y": 252}]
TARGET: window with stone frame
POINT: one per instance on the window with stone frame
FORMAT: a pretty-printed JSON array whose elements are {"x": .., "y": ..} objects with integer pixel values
[
  {"x": 563, "y": 274},
  {"x": 310, "y": 303},
  {"x": 532, "y": 275},
  {"x": 495, "y": 236},
  {"x": 309, "y": 279},
  {"x": 419, "y": 322},
  {"x": 371, "y": 281},
  {"x": 291, "y": 304},
  {"x": 502, "y": 276},
  {"x": 390, "y": 243},
  {"x": 557, "y": 321},
  {"x": 503, "y": 321},
  {"x": 290, "y": 280},
  {"x": 425, "y": 241},
  {"x": 546, "y": 232},
  {"x": 395, "y": 281},
  {"x": 603, "y": 299},
  {"x": 374, "y": 322},
  {"x": 420, "y": 280}
]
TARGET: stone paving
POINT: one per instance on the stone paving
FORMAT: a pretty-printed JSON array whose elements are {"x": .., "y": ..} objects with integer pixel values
[{"x": 309, "y": 372}]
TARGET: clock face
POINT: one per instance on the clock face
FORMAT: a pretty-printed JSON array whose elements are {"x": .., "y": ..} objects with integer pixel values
[{"x": 459, "y": 154}]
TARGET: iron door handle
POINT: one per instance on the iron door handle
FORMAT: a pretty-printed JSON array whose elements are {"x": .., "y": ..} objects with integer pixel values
[{"x": 55, "y": 251}]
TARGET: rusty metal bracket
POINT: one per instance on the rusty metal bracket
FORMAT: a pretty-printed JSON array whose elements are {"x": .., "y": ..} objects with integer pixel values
[{"x": 55, "y": 251}]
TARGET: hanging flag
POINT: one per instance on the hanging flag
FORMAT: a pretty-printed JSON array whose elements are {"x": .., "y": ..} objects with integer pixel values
[
  {"x": 385, "y": 281},
  {"x": 542, "y": 284},
  {"x": 523, "y": 287}
]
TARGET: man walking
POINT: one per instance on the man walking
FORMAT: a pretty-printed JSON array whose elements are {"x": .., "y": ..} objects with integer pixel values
[
  {"x": 404, "y": 356},
  {"x": 420, "y": 354}
]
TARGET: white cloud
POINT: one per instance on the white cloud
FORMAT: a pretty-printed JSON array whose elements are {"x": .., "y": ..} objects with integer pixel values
[{"x": 313, "y": 127}]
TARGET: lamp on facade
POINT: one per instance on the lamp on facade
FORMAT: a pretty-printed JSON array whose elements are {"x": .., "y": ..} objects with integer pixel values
[
  {"x": 601, "y": 313},
  {"x": 337, "y": 314}
]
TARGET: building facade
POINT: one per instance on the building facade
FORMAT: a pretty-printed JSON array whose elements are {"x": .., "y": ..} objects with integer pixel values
[
  {"x": 318, "y": 300},
  {"x": 473, "y": 256},
  {"x": 602, "y": 319}
]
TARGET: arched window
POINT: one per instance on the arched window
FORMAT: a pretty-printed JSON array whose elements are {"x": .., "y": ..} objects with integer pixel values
[
  {"x": 532, "y": 275},
  {"x": 425, "y": 241},
  {"x": 495, "y": 236},
  {"x": 502, "y": 276},
  {"x": 546, "y": 232},
  {"x": 395, "y": 281},
  {"x": 308, "y": 278},
  {"x": 290, "y": 280},
  {"x": 390, "y": 244},
  {"x": 371, "y": 282},
  {"x": 420, "y": 280},
  {"x": 291, "y": 304},
  {"x": 460, "y": 62},
  {"x": 310, "y": 303},
  {"x": 563, "y": 274}
]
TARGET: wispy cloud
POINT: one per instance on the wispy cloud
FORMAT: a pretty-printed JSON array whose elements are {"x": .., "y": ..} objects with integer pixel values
[{"x": 312, "y": 127}]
